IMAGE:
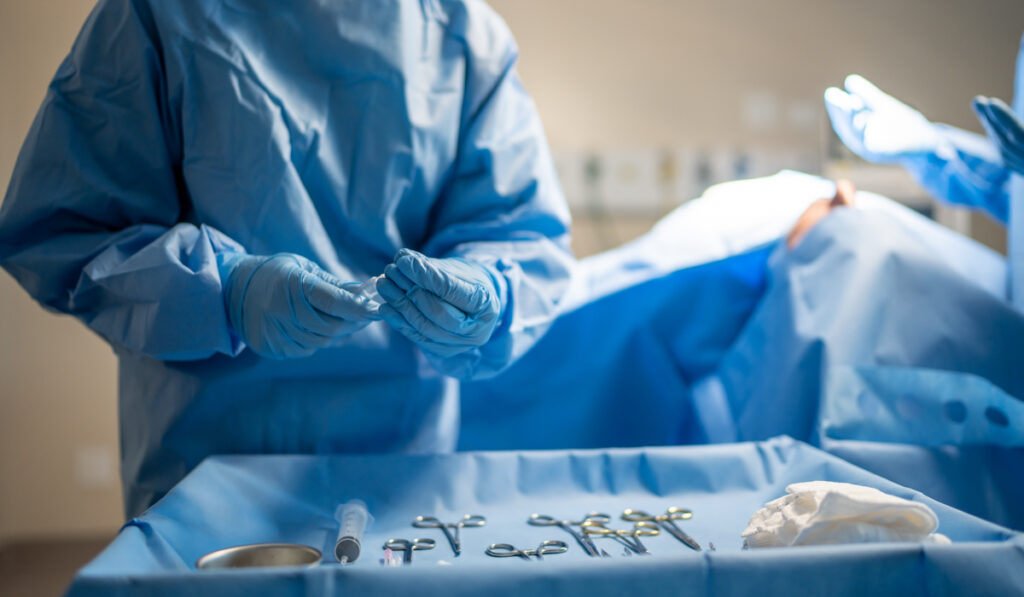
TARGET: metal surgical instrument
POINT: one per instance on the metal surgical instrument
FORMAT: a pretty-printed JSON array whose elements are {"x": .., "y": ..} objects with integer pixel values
[
  {"x": 504, "y": 550},
  {"x": 409, "y": 546},
  {"x": 666, "y": 521},
  {"x": 431, "y": 522},
  {"x": 543, "y": 520},
  {"x": 631, "y": 539}
]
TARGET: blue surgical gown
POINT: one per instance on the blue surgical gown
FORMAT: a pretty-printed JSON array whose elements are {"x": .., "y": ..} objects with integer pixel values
[
  {"x": 340, "y": 131},
  {"x": 968, "y": 170}
]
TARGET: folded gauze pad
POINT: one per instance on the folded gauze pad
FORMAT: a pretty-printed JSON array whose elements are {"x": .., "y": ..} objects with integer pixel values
[{"x": 823, "y": 513}]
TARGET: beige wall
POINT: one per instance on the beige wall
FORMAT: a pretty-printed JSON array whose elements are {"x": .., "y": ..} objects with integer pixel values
[
  {"x": 58, "y": 433},
  {"x": 608, "y": 72},
  {"x": 604, "y": 73}
]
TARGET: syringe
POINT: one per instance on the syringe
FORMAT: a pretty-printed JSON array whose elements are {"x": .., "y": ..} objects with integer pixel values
[{"x": 354, "y": 518}]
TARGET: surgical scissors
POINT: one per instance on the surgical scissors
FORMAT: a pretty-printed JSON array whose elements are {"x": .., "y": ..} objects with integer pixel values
[
  {"x": 431, "y": 522},
  {"x": 666, "y": 521},
  {"x": 504, "y": 550},
  {"x": 642, "y": 528},
  {"x": 408, "y": 546},
  {"x": 543, "y": 520}
]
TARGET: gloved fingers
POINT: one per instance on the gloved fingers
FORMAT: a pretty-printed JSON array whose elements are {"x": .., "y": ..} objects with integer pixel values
[
  {"x": 999, "y": 120},
  {"x": 414, "y": 318},
  {"x": 391, "y": 272},
  {"x": 285, "y": 341},
  {"x": 398, "y": 322},
  {"x": 455, "y": 288},
  {"x": 1003, "y": 129},
  {"x": 872, "y": 97},
  {"x": 474, "y": 329},
  {"x": 303, "y": 338},
  {"x": 444, "y": 314},
  {"x": 338, "y": 302},
  {"x": 842, "y": 109},
  {"x": 316, "y": 322},
  {"x": 842, "y": 101}
]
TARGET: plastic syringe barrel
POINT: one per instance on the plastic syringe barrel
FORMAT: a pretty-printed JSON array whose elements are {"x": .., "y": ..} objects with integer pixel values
[{"x": 353, "y": 518}]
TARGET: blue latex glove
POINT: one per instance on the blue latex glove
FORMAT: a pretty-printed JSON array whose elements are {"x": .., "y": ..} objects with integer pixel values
[
  {"x": 877, "y": 126},
  {"x": 286, "y": 306},
  {"x": 1004, "y": 129},
  {"x": 446, "y": 306}
]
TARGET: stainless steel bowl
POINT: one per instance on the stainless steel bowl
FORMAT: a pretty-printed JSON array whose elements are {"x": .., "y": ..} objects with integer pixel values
[{"x": 260, "y": 555}]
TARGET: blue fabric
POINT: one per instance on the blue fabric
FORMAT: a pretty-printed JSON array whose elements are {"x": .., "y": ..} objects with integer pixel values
[
  {"x": 981, "y": 479},
  {"x": 237, "y": 500},
  {"x": 881, "y": 326},
  {"x": 1015, "y": 238},
  {"x": 177, "y": 132},
  {"x": 641, "y": 324}
]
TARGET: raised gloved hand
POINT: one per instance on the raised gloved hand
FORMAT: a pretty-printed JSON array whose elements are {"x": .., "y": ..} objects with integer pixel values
[
  {"x": 284, "y": 305},
  {"x": 1004, "y": 129},
  {"x": 877, "y": 126},
  {"x": 446, "y": 306}
]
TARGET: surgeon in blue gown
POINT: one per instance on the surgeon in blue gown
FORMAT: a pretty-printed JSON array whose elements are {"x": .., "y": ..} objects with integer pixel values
[
  {"x": 954, "y": 165},
  {"x": 217, "y": 187}
]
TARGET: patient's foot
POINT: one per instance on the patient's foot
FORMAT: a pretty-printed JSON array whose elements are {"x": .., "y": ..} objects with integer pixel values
[{"x": 818, "y": 210}]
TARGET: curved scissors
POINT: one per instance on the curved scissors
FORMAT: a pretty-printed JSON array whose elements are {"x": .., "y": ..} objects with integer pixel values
[
  {"x": 642, "y": 528},
  {"x": 408, "y": 546},
  {"x": 504, "y": 550},
  {"x": 543, "y": 520},
  {"x": 667, "y": 522},
  {"x": 431, "y": 522}
]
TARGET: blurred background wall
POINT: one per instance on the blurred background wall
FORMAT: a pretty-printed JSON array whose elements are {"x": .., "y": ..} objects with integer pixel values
[{"x": 645, "y": 103}]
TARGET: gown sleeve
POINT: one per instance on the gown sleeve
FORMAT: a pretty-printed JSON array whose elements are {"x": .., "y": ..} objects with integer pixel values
[
  {"x": 503, "y": 207},
  {"x": 96, "y": 219},
  {"x": 966, "y": 169}
]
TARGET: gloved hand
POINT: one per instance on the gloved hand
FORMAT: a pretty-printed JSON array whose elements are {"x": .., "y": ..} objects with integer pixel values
[
  {"x": 284, "y": 305},
  {"x": 446, "y": 306},
  {"x": 1004, "y": 129},
  {"x": 877, "y": 126}
]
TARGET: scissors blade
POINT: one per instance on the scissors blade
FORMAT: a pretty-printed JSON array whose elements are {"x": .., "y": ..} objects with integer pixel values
[
  {"x": 680, "y": 534},
  {"x": 453, "y": 539},
  {"x": 585, "y": 542}
]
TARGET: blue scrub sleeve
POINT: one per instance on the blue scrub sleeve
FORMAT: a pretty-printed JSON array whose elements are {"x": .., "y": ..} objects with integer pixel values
[
  {"x": 95, "y": 222},
  {"x": 966, "y": 169},
  {"x": 503, "y": 208}
]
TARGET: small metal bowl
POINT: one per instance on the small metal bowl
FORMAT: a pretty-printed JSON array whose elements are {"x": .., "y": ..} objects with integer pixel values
[{"x": 259, "y": 555}]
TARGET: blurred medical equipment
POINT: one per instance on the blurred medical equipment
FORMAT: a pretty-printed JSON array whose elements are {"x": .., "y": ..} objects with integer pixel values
[
  {"x": 353, "y": 519},
  {"x": 630, "y": 539},
  {"x": 260, "y": 555},
  {"x": 505, "y": 550},
  {"x": 1004, "y": 129},
  {"x": 825, "y": 513},
  {"x": 407, "y": 546},
  {"x": 389, "y": 558},
  {"x": 450, "y": 529},
  {"x": 543, "y": 520},
  {"x": 174, "y": 137},
  {"x": 667, "y": 522}
]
